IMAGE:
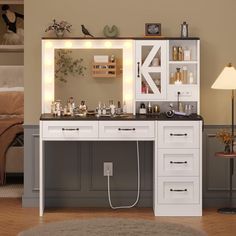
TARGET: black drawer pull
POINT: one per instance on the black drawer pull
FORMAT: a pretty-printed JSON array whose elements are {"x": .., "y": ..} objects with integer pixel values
[
  {"x": 178, "y": 190},
  {"x": 171, "y": 134},
  {"x": 70, "y": 129},
  {"x": 178, "y": 162},
  {"x": 138, "y": 69},
  {"x": 127, "y": 129}
]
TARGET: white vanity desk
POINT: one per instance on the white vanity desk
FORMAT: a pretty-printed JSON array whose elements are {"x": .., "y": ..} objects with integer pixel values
[
  {"x": 177, "y": 154},
  {"x": 177, "y": 160}
]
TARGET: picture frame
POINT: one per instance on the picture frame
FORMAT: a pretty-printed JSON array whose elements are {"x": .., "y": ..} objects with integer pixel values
[
  {"x": 152, "y": 29},
  {"x": 12, "y": 38}
]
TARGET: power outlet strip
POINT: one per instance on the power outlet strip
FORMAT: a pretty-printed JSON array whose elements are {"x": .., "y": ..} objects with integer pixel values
[{"x": 108, "y": 166}]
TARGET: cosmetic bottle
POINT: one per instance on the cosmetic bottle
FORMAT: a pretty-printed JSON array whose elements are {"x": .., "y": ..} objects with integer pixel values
[
  {"x": 156, "y": 109},
  {"x": 124, "y": 108},
  {"x": 149, "y": 109},
  {"x": 174, "y": 53},
  {"x": 142, "y": 109},
  {"x": 185, "y": 74},
  {"x": 112, "y": 108},
  {"x": 83, "y": 108},
  {"x": 99, "y": 109},
  {"x": 180, "y": 54},
  {"x": 187, "y": 54},
  {"x": 178, "y": 79},
  {"x": 191, "y": 78},
  {"x": 118, "y": 110},
  {"x": 181, "y": 108},
  {"x": 53, "y": 108},
  {"x": 104, "y": 109}
]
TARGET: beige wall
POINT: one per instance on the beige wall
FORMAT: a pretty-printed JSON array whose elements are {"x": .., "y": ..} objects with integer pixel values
[{"x": 213, "y": 21}]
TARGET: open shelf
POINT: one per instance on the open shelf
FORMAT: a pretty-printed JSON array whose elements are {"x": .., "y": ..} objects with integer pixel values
[{"x": 183, "y": 62}]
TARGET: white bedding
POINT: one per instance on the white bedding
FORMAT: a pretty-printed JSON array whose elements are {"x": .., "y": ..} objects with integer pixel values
[{"x": 11, "y": 78}]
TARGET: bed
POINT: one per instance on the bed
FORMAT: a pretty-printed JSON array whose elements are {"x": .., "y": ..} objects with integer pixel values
[{"x": 11, "y": 120}]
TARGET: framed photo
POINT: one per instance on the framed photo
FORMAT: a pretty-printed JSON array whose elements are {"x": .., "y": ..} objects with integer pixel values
[
  {"x": 153, "y": 29},
  {"x": 12, "y": 32}
]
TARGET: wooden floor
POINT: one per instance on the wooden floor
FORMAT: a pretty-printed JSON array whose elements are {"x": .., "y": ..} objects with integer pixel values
[{"x": 14, "y": 218}]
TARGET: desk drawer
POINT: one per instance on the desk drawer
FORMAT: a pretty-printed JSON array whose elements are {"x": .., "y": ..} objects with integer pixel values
[
  {"x": 178, "y": 162},
  {"x": 178, "y": 134},
  {"x": 70, "y": 129},
  {"x": 127, "y": 129},
  {"x": 180, "y": 190}
]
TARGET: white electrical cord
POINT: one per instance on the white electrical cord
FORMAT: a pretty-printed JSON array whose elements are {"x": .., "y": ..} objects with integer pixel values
[{"x": 138, "y": 193}]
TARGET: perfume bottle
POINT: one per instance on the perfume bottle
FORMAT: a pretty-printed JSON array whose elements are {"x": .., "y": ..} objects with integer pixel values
[
  {"x": 99, "y": 109},
  {"x": 118, "y": 110},
  {"x": 124, "y": 107},
  {"x": 104, "y": 109},
  {"x": 112, "y": 108},
  {"x": 149, "y": 110}
]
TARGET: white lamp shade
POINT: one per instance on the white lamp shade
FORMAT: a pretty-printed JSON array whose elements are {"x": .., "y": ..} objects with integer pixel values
[{"x": 226, "y": 79}]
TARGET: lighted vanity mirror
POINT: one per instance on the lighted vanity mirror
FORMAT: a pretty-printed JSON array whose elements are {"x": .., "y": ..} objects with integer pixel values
[
  {"x": 90, "y": 88},
  {"x": 90, "y": 75}
]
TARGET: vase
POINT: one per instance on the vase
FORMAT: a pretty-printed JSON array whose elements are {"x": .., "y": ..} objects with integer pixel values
[
  {"x": 227, "y": 148},
  {"x": 59, "y": 33}
]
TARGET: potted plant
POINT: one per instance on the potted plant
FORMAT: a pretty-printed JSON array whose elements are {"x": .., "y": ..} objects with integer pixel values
[
  {"x": 226, "y": 138},
  {"x": 59, "y": 28}
]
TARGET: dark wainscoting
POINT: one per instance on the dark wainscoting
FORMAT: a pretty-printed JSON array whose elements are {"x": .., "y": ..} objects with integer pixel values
[{"x": 74, "y": 172}]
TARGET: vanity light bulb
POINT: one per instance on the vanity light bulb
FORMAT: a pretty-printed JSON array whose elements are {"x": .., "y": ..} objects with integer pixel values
[
  {"x": 128, "y": 97},
  {"x": 48, "y": 97},
  {"x": 48, "y": 62},
  {"x": 128, "y": 44},
  {"x": 108, "y": 44},
  {"x": 128, "y": 80},
  {"x": 127, "y": 62},
  {"x": 88, "y": 44},
  {"x": 48, "y": 79},
  {"x": 48, "y": 44},
  {"x": 68, "y": 44}
]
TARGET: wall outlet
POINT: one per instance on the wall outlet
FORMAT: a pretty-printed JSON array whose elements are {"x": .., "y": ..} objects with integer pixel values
[{"x": 108, "y": 166}]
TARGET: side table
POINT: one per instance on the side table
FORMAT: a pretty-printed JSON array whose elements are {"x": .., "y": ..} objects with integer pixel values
[{"x": 230, "y": 156}]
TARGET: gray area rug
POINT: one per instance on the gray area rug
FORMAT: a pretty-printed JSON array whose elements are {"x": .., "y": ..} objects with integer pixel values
[{"x": 111, "y": 227}]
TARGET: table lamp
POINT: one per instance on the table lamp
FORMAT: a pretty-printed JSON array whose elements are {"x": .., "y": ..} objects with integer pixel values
[{"x": 227, "y": 81}]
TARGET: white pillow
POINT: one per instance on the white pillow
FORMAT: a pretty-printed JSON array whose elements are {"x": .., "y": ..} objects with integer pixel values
[{"x": 5, "y": 89}]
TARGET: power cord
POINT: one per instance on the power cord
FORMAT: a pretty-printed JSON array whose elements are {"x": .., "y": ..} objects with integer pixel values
[{"x": 138, "y": 192}]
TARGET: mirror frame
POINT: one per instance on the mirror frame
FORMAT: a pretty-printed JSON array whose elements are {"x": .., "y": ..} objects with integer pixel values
[{"x": 48, "y": 77}]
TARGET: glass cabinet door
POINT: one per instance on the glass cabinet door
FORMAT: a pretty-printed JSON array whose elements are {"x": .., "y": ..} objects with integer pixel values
[{"x": 151, "y": 69}]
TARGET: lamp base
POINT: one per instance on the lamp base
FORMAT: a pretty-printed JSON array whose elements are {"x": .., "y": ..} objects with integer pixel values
[{"x": 227, "y": 210}]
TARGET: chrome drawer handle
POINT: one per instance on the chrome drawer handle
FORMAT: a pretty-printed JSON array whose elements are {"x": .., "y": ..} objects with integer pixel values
[
  {"x": 178, "y": 190},
  {"x": 171, "y": 134},
  {"x": 64, "y": 129},
  {"x": 178, "y": 162},
  {"x": 127, "y": 129}
]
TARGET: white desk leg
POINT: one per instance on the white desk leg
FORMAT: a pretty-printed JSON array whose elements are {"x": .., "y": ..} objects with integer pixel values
[
  {"x": 41, "y": 173},
  {"x": 155, "y": 174}
]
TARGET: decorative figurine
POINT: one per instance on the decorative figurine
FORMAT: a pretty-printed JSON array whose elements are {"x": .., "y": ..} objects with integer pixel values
[
  {"x": 184, "y": 30},
  {"x": 110, "y": 32},
  {"x": 59, "y": 27},
  {"x": 85, "y": 31}
]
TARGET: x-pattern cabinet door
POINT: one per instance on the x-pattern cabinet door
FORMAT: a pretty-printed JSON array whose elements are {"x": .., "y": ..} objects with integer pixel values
[{"x": 151, "y": 68}]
